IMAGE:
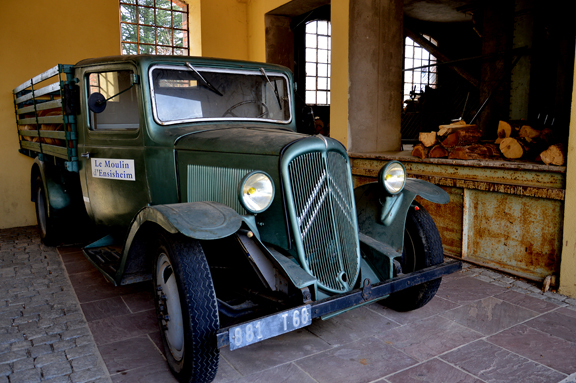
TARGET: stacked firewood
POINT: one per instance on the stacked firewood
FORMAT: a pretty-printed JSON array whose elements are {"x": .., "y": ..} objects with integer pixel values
[
  {"x": 516, "y": 140},
  {"x": 455, "y": 141}
]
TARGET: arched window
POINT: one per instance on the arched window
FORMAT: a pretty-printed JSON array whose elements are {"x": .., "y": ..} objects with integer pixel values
[
  {"x": 154, "y": 27},
  {"x": 424, "y": 72},
  {"x": 318, "y": 42}
]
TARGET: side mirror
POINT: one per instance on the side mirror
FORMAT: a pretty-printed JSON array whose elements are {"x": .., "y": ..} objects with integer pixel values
[{"x": 97, "y": 102}]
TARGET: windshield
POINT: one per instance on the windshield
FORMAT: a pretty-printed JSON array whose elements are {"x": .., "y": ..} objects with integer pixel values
[{"x": 182, "y": 94}]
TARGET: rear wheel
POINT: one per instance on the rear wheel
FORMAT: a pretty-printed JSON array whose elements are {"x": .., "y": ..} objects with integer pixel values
[
  {"x": 187, "y": 309},
  {"x": 48, "y": 231},
  {"x": 422, "y": 248}
]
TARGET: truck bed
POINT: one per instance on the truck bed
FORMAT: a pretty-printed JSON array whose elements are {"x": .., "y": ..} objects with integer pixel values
[{"x": 46, "y": 117}]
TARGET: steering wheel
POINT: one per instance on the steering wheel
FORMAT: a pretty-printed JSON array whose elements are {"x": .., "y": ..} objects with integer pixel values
[{"x": 229, "y": 111}]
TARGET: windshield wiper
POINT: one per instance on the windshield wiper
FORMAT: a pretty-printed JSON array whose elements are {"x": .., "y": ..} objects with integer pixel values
[
  {"x": 204, "y": 81},
  {"x": 275, "y": 87}
]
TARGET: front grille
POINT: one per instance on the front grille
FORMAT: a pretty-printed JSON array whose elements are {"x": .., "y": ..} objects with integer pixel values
[{"x": 324, "y": 219}]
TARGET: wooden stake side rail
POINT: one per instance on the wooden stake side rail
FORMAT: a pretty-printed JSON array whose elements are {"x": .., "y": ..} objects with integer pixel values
[
  {"x": 41, "y": 77},
  {"x": 44, "y": 127}
]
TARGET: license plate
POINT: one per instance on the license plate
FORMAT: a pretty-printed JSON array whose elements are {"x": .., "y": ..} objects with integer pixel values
[{"x": 270, "y": 326}]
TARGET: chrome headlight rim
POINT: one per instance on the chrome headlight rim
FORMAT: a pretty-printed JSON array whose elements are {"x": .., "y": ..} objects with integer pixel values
[
  {"x": 388, "y": 170},
  {"x": 243, "y": 197}
]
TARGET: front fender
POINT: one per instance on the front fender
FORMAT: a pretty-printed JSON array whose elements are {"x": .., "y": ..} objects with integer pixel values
[
  {"x": 198, "y": 220},
  {"x": 383, "y": 217}
]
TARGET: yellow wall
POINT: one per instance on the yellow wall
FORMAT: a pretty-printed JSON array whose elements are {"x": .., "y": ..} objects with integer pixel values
[
  {"x": 224, "y": 29},
  {"x": 257, "y": 10},
  {"x": 195, "y": 26},
  {"x": 36, "y": 36},
  {"x": 568, "y": 263}
]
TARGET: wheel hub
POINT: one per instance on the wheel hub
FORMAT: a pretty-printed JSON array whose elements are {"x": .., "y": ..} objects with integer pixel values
[{"x": 169, "y": 309}]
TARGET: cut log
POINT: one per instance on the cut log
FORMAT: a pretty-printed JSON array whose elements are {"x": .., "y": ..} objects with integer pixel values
[
  {"x": 516, "y": 125},
  {"x": 420, "y": 151},
  {"x": 427, "y": 139},
  {"x": 511, "y": 148},
  {"x": 528, "y": 133},
  {"x": 554, "y": 155},
  {"x": 504, "y": 130},
  {"x": 444, "y": 130},
  {"x": 462, "y": 137},
  {"x": 470, "y": 152},
  {"x": 438, "y": 151},
  {"x": 493, "y": 150},
  {"x": 547, "y": 136}
]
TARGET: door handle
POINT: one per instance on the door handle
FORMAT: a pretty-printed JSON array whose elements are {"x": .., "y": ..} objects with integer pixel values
[{"x": 85, "y": 155}]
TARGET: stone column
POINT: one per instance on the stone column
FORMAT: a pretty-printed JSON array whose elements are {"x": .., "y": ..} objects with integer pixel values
[{"x": 376, "y": 48}]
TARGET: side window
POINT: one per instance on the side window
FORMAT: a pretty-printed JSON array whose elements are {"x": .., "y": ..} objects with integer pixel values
[{"x": 121, "y": 111}]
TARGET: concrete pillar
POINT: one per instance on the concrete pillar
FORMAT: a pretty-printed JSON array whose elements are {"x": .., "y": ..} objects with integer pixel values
[
  {"x": 376, "y": 48},
  {"x": 568, "y": 263}
]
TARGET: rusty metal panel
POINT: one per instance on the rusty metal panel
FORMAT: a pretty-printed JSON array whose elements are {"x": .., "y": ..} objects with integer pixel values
[
  {"x": 518, "y": 234},
  {"x": 448, "y": 219}
]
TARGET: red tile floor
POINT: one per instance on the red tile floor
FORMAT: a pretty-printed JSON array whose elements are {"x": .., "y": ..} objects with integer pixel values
[
  {"x": 122, "y": 320},
  {"x": 472, "y": 331}
]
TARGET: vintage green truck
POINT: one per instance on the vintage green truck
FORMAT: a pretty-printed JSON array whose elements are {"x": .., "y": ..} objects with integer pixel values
[{"x": 195, "y": 173}]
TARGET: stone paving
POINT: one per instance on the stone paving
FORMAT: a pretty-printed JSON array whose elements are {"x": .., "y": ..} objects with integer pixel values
[
  {"x": 482, "y": 326},
  {"x": 43, "y": 333}
]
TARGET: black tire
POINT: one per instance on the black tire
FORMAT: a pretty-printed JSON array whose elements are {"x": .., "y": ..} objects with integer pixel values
[
  {"x": 422, "y": 248},
  {"x": 49, "y": 233},
  {"x": 185, "y": 297}
]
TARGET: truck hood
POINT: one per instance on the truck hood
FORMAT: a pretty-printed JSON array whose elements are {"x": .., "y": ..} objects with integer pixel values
[{"x": 257, "y": 140}]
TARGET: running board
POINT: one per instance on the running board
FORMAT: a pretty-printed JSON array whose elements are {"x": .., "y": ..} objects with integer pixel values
[{"x": 105, "y": 255}]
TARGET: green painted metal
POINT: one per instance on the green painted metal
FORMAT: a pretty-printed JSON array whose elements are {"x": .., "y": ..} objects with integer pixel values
[
  {"x": 213, "y": 183},
  {"x": 318, "y": 188},
  {"x": 300, "y": 278},
  {"x": 378, "y": 256},
  {"x": 369, "y": 211},
  {"x": 271, "y": 223},
  {"x": 427, "y": 191},
  {"x": 105, "y": 241},
  {"x": 198, "y": 220}
]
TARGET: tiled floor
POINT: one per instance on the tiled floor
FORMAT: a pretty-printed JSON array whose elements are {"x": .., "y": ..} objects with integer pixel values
[{"x": 472, "y": 331}]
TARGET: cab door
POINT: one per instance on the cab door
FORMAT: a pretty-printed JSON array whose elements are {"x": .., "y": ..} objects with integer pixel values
[{"x": 111, "y": 146}]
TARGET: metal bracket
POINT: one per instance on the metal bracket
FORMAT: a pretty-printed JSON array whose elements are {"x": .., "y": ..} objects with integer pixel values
[
  {"x": 366, "y": 289},
  {"x": 306, "y": 296}
]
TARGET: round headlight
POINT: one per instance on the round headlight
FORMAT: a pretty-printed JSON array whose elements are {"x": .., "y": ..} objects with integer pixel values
[
  {"x": 256, "y": 192},
  {"x": 393, "y": 177}
]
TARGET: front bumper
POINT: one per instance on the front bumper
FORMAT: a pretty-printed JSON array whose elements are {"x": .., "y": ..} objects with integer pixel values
[{"x": 366, "y": 294}]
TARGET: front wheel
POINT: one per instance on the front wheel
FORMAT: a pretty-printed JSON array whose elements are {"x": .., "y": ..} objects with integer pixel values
[
  {"x": 422, "y": 248},
  {"x": 187, "y": 309}
]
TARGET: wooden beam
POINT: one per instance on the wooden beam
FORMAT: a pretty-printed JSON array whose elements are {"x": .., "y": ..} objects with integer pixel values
[{"x": 433, "y": 49}]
